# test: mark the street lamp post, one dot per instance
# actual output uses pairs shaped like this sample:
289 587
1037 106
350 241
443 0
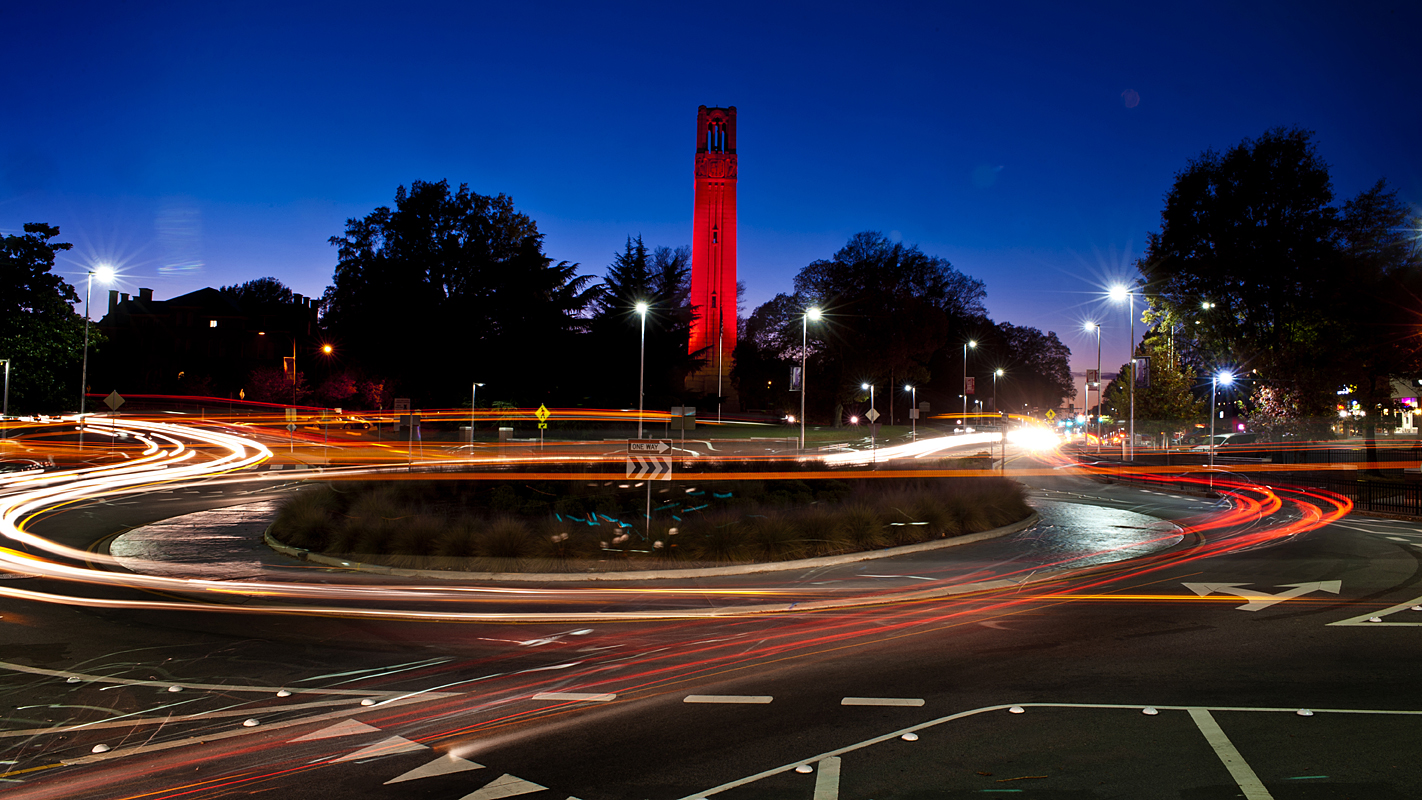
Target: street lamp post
966 345
873 454
5 410
913 412
642 367
473 404
1118 292
1225 378
1097 327
997 373
811 313
105 274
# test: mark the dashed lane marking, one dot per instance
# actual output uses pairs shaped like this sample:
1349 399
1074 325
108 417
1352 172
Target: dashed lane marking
586 697
759 699
882 701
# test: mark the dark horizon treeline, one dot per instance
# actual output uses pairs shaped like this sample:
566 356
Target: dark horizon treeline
447 288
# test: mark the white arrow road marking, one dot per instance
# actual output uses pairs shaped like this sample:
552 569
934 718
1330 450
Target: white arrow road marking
444 765
348 728
1262 600
505 786
387 747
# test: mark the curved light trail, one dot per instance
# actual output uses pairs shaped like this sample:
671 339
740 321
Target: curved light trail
176 453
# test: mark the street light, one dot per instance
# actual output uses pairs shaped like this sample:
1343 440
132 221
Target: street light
473 404
5 410
811 313
642 366
913 412
1097 327
970 343
1225 378
873 456
1118 293
105 274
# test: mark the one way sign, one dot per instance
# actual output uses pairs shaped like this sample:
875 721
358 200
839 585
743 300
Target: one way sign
652 468
649 445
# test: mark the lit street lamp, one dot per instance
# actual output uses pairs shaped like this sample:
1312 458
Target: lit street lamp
473 404
5 410
966 345
997 373
1225 378
913 411
106 274
872 419
1119 292
1097 327
811 313
642 366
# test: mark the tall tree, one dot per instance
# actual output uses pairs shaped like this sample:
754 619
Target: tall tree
449 288
259 294
661 278
889 307
39 330
1250 234
1036 366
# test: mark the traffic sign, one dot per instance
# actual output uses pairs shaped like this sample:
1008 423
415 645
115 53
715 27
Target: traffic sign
291 426
648 446
113 401
872 415
653 468
1051 414
543 414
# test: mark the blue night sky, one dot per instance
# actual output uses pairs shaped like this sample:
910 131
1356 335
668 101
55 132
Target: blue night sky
198 144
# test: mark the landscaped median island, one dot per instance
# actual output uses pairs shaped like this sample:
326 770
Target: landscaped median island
601 526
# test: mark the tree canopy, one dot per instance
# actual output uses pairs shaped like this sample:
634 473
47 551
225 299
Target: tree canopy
452 287
1255 269
39 329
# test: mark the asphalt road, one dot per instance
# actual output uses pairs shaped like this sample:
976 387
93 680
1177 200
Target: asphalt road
342 707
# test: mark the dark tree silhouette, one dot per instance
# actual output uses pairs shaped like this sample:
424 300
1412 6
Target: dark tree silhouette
39 329
449 288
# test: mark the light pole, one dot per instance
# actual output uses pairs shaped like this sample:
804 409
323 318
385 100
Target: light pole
473 404
873 455
997 373
1097 327
1225 378
5 410
642 366
1117 293
811 313
970 343
106 274
913 411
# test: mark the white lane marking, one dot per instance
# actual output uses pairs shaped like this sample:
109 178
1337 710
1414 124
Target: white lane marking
911 577
504 786
348 728
220 687
385 747
882 701
1239 769
589 697
1362 619
444 765
827 779
727 698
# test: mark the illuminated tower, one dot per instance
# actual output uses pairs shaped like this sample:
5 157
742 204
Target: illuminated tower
713 250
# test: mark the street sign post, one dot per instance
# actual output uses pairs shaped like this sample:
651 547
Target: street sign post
645 461
543 414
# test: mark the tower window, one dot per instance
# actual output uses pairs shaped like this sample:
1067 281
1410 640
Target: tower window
212 323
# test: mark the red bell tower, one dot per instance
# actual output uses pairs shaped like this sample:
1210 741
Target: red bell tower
713 250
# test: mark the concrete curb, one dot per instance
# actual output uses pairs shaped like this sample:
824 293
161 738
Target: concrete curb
660 574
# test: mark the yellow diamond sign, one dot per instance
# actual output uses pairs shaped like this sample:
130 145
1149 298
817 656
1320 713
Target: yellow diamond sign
543 413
